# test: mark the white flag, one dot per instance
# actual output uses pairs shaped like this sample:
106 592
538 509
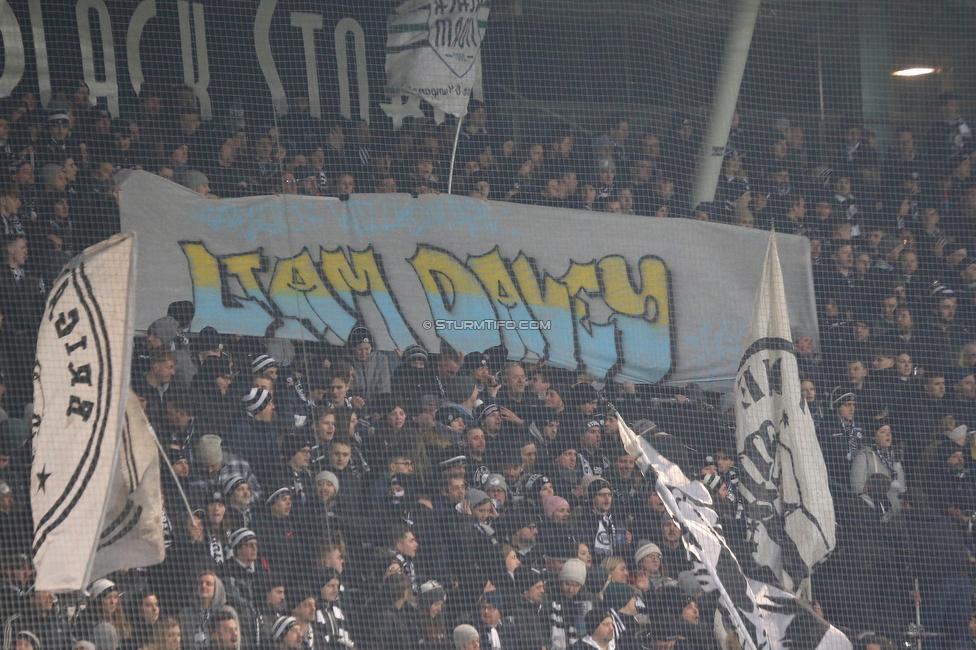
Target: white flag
92 480
782 476
132 528
762 616
433 50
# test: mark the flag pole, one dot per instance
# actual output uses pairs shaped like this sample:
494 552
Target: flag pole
450 174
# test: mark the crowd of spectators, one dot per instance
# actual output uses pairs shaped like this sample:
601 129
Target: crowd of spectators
353 497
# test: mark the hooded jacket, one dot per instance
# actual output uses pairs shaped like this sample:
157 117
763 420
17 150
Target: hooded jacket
195 623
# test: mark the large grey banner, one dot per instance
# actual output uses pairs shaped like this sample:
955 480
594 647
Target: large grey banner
635 298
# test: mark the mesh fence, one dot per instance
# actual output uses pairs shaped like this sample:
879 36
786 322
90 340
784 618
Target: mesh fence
385 416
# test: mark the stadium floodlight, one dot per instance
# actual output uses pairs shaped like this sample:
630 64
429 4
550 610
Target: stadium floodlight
913 72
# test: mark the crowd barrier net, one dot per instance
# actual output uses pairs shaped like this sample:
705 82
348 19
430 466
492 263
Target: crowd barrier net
512 325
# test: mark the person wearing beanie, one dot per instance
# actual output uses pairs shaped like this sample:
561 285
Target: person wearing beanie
592 458
255 433
237 497
466 637
264 365
214 390
622 602
105 636
476 366
528 607
287 633
472 545
651 575
581 400
301 598
573 571
522 528
371 376
497 631
331 624
497 488
279 530
430 615
565 469
841 441
415 378
206 345
490 420
296 456
213 466
105 615
241 575
556 523
601 631
880 458
556 509
197 182
533 486
269 597
565 599
598 526
258 404
691 626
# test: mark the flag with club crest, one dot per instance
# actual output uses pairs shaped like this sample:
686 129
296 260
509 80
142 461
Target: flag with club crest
433 50
783 489
95 490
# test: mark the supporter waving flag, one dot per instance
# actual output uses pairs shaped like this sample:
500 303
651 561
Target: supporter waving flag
783 479
95 490
762 617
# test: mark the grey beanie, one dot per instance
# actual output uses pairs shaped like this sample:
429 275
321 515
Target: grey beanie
208 449
573 571
330 477
165 328
496 480
48 172
192 179
105 637
646 549
464 634
476 497
430 592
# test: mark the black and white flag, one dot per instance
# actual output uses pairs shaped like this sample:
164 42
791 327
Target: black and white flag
782 475
433 51
762 617
95 489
